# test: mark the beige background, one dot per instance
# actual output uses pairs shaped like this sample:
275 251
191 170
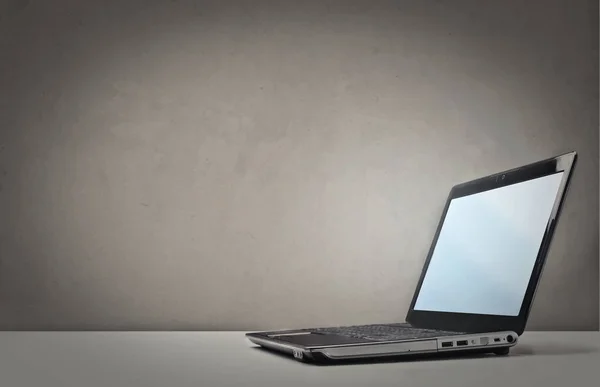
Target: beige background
261 164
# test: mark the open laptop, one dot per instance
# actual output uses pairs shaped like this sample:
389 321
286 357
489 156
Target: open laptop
479 279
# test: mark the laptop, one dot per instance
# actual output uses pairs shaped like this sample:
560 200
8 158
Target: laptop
479 279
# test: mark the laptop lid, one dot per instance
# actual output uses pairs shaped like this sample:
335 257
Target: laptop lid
487 255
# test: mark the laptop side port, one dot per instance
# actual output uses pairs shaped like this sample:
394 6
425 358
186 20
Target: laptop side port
447 344
461 343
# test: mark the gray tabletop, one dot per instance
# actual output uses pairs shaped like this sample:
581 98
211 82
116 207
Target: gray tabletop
226 359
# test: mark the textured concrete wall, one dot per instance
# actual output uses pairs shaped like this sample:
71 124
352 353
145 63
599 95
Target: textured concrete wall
264 164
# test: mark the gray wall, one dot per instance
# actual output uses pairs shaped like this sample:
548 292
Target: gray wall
171 165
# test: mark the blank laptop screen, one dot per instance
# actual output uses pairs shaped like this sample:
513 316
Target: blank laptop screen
487 248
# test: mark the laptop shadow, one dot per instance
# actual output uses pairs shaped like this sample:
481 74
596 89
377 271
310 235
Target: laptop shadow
551 350
518 351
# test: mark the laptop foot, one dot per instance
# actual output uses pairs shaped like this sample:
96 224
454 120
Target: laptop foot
502 351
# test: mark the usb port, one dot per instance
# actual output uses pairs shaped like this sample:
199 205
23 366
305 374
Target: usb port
447 344
462 343
496 340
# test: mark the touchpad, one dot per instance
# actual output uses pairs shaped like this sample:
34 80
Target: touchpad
315 339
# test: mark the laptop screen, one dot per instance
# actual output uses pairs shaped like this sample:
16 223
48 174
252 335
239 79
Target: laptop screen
487 247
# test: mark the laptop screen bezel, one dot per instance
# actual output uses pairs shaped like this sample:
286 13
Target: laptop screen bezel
469 322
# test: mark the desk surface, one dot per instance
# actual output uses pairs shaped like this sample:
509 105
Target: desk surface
215 359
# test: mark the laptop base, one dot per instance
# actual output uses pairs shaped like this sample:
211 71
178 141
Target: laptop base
330 348
319 359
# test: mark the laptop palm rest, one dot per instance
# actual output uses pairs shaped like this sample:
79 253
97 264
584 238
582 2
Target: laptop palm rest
310 339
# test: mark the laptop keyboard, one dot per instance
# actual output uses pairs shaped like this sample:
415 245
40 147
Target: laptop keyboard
385 332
